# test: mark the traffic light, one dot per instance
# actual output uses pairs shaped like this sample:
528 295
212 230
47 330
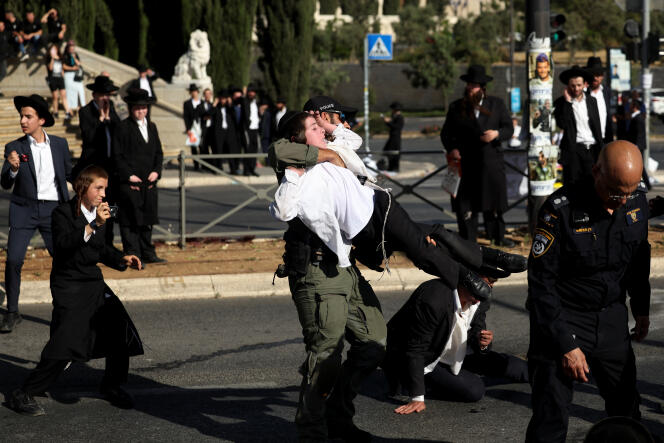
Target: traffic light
557 34
653 47
632 48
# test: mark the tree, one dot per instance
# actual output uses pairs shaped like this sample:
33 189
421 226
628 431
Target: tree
414 25
285 35
432 63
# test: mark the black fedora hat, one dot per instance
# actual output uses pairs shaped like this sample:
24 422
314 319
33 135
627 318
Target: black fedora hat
193 87
38 103
138 96
396 106
103 85
594 66
574 72
476 74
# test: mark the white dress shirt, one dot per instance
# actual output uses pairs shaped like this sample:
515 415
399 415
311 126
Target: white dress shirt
601 107
143 127
456 348
43 160
280 114
145 84
224 119
89 216
583 132
254 120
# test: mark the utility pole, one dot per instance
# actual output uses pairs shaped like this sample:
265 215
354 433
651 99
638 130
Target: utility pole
646 75
542 154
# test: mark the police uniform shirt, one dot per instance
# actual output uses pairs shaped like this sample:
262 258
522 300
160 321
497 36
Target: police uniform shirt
585 259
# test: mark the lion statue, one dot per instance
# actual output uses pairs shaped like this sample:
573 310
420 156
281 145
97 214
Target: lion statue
191 66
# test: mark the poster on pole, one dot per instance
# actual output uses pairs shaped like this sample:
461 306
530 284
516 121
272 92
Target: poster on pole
620 71
542 154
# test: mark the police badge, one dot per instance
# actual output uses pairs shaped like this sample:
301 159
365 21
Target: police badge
542 242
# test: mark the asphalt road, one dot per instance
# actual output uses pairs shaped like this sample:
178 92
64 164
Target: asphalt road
226 369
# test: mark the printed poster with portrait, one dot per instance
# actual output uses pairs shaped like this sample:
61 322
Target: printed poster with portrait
542 154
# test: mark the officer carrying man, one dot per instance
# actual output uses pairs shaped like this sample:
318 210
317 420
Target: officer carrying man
590 250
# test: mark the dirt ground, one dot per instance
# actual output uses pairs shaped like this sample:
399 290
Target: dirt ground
213 256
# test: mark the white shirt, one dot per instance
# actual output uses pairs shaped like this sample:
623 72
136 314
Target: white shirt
43 160
207 106
583 132
108 135
254 120
330 201
477 111
601 107
145 84
456 348
143 127
89 216
280 114
195 103
224 121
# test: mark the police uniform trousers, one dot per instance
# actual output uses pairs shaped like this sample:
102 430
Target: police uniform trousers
333 303
604 339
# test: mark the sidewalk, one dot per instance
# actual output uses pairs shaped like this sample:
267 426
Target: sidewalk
260 285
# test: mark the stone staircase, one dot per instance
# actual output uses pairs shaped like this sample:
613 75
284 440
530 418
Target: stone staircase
25 78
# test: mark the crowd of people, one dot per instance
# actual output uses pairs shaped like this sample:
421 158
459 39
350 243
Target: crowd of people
232 121
589 251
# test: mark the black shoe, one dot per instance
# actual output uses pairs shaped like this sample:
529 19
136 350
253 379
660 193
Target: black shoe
24 403
347 431
154 259
250 173
117 396
511 262
506 242
10 321
478 288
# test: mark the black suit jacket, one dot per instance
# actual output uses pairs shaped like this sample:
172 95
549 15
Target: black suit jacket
636 132
564 115
608 130
205 111
418 333
93 132
25 182
189 114
136 83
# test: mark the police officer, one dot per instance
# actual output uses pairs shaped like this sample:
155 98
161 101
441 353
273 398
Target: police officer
590 250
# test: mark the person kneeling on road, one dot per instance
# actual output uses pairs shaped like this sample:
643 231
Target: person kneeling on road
88 321
428 340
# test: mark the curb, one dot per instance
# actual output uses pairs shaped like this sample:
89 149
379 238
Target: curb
183 287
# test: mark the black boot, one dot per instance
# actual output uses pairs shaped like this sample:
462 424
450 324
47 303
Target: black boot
504 260
10 321
23 403
478 288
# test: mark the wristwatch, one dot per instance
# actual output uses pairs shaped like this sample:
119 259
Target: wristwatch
93 225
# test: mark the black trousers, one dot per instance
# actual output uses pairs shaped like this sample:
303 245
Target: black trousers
579 163
467 220
604 339
467 386
48 370
137 240
403 234
207 143
251 148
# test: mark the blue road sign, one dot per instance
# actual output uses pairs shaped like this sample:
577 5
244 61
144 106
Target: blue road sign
515 99
380 46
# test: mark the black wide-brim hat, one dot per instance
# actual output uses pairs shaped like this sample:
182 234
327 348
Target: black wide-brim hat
38 103
193 87
102 85
573 72
476 74
323 103
594 66
137 96
396 106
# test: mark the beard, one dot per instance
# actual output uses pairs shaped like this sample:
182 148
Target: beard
471 102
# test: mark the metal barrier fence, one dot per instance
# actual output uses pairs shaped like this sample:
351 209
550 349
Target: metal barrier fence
266 193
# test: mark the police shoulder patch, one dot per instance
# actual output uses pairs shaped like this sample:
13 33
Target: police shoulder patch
542 241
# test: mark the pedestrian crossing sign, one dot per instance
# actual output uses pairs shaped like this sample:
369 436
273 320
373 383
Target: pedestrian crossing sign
380 46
